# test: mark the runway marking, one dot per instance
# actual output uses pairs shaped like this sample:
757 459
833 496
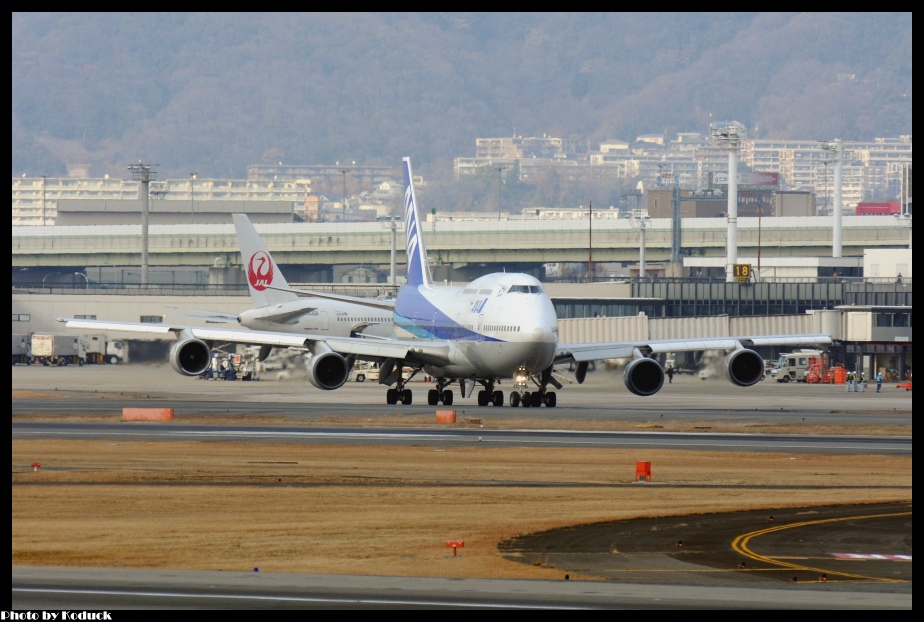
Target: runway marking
866 556
740 544
293 599
500 437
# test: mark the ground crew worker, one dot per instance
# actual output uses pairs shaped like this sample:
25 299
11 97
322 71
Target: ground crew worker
879 382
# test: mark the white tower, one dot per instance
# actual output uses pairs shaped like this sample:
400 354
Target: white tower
837 148
729 135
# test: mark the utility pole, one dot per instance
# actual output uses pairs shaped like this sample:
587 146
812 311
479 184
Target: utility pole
392 225
590 242
641 223
500 184
344 172
143 173
44 181
192 197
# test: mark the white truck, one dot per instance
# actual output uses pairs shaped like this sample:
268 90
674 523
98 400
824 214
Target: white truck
793 366
22 350
59 350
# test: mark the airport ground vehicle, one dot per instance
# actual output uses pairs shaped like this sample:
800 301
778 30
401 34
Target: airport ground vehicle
226 366
364 370
794 366
58 350
22 349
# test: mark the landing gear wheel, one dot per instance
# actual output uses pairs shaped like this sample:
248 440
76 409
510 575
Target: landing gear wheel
514 399
550 399
391 396
498 398
483 397
447 397
407 397
433 397
526 399
536 399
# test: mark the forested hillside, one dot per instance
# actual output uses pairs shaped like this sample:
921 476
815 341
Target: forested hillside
216 92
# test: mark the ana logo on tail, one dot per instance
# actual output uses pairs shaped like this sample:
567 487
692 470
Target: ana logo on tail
418 272
260 271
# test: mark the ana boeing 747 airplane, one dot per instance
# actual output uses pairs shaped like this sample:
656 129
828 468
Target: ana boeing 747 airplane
500 327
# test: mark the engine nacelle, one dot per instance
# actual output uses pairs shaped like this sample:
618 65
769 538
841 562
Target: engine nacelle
190 356
744 367
328 370
644 376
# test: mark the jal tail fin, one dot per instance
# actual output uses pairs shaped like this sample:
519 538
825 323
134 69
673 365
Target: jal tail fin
261 271
418 269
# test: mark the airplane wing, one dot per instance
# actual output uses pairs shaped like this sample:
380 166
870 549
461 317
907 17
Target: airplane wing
207 315
579 352
376 303
412 351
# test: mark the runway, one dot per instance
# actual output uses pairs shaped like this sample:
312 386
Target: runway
703 572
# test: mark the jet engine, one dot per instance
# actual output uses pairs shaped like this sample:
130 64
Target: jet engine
644 376
264 353
190 356
744 367
328 370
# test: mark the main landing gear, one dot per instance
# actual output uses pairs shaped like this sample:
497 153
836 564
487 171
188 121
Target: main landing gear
488 396
401 394
440 394
405 396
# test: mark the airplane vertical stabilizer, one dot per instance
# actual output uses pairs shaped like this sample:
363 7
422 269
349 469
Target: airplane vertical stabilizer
418 269
259 267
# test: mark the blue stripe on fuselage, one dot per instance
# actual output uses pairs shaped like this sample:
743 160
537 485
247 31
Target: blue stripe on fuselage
418 316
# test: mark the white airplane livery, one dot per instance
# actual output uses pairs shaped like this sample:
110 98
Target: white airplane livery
498 328
278 307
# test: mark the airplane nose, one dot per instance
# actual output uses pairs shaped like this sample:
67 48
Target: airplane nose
543 334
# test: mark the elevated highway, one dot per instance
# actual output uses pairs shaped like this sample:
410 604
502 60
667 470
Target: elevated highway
494 243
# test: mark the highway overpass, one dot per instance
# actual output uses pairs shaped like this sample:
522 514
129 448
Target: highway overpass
468 248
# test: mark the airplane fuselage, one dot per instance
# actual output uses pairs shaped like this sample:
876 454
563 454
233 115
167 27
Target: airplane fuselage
319 317
499 324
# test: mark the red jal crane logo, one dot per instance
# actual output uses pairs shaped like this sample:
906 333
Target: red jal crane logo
260 271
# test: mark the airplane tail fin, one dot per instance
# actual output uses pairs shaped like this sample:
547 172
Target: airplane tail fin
261 271
418 269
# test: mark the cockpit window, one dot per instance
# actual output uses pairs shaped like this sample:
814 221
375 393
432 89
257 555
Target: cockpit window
525 289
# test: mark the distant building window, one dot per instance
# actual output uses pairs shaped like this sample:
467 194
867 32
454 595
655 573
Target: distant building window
898 320
152 319
84 317
22 317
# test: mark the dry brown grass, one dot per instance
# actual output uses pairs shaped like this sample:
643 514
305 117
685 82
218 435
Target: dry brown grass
381 510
